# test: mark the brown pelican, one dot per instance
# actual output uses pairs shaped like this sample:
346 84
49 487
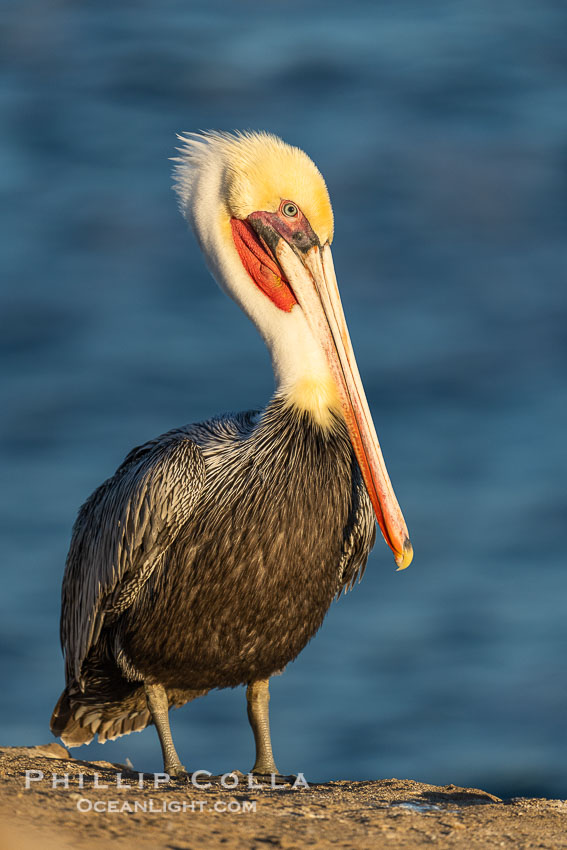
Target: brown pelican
210 558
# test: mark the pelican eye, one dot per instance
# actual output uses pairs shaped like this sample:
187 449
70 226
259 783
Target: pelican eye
290 210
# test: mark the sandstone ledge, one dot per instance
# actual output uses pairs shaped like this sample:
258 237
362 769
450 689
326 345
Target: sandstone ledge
388 813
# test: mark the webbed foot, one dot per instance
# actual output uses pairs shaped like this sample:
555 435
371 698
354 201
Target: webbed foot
273 778
178 772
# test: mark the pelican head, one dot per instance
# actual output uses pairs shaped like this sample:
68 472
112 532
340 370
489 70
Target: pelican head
261 213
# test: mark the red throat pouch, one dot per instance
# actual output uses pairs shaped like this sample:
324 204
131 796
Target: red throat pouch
260 265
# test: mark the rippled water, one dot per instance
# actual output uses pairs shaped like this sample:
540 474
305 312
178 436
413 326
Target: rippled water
442 132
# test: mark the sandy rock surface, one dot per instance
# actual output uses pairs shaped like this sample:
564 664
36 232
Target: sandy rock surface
388 813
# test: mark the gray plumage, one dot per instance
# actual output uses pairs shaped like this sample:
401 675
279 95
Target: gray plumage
209 559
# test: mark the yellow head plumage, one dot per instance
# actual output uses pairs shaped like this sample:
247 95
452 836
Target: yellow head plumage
261 170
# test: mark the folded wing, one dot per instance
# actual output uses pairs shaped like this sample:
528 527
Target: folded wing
121 533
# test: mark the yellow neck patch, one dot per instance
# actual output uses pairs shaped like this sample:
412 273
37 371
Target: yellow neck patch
317 397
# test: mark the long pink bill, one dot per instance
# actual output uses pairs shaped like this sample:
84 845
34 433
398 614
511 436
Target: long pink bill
315 287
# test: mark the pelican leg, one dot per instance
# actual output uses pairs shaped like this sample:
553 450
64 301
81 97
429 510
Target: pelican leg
258 699
158 704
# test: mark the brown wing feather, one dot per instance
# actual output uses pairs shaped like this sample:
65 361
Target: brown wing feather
121 533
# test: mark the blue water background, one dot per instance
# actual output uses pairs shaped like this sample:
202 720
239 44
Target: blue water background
442 131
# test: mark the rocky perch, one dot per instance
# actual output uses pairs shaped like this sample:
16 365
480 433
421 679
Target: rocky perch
142 811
